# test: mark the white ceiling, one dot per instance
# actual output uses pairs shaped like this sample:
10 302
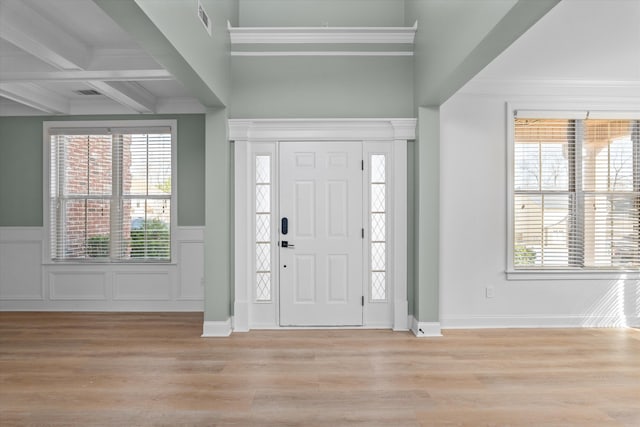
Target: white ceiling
50 50
578 40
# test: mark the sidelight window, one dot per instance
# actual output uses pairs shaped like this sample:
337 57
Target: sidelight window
263 212
378 227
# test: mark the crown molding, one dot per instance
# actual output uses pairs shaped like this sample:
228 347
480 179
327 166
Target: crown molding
551 87
322 35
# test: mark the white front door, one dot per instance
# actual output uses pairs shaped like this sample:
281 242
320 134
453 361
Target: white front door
321 261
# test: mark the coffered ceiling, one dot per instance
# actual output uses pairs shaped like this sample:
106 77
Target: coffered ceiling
70 57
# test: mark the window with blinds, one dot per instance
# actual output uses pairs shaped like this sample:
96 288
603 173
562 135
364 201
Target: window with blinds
110 194
576 192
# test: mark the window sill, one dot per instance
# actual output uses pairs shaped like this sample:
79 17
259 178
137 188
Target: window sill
109 263
573 275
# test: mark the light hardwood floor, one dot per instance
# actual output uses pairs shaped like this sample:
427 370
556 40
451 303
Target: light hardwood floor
131 369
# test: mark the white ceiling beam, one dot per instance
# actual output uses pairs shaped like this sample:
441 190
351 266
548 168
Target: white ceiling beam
30 31
34 96
128 94
25 28
81 76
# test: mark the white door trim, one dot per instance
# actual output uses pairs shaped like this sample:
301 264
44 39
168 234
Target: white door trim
246 132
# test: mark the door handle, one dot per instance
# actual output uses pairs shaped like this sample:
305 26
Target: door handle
285 244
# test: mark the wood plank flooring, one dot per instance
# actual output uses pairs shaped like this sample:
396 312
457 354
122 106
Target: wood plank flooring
132 369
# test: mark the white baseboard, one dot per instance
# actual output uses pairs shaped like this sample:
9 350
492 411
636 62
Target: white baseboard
480 322
212 329
633 321
425 329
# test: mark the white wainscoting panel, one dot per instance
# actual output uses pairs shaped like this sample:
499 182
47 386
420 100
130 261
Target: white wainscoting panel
142 285
29 282
18 279
77 285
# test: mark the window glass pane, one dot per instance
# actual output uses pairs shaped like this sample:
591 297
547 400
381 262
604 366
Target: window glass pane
541 154
608 156
527 166
263 227
378 173
555 166
378 202
541 230
263 286
146 229
378 286
146 164
85 232
159 163
263 257
263 169
378 231
73 230
98 228
378 256
611 231
263 198
87 164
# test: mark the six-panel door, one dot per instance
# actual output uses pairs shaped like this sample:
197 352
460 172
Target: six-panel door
321 267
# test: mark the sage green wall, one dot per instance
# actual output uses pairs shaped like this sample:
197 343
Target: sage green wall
448 31
207 55
411 224
321 87
218 249
427 217
21 181
20 171
314 13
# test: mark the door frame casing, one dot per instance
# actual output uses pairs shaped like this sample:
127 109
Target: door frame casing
247 133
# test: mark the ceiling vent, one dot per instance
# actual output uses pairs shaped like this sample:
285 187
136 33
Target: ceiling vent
87 92
204 18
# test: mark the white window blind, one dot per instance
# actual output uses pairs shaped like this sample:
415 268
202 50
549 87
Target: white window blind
110 194
576 192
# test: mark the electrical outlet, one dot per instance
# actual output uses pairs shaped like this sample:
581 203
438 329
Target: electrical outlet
489 291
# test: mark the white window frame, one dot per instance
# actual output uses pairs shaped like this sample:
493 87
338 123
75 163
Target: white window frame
560 111
89 125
